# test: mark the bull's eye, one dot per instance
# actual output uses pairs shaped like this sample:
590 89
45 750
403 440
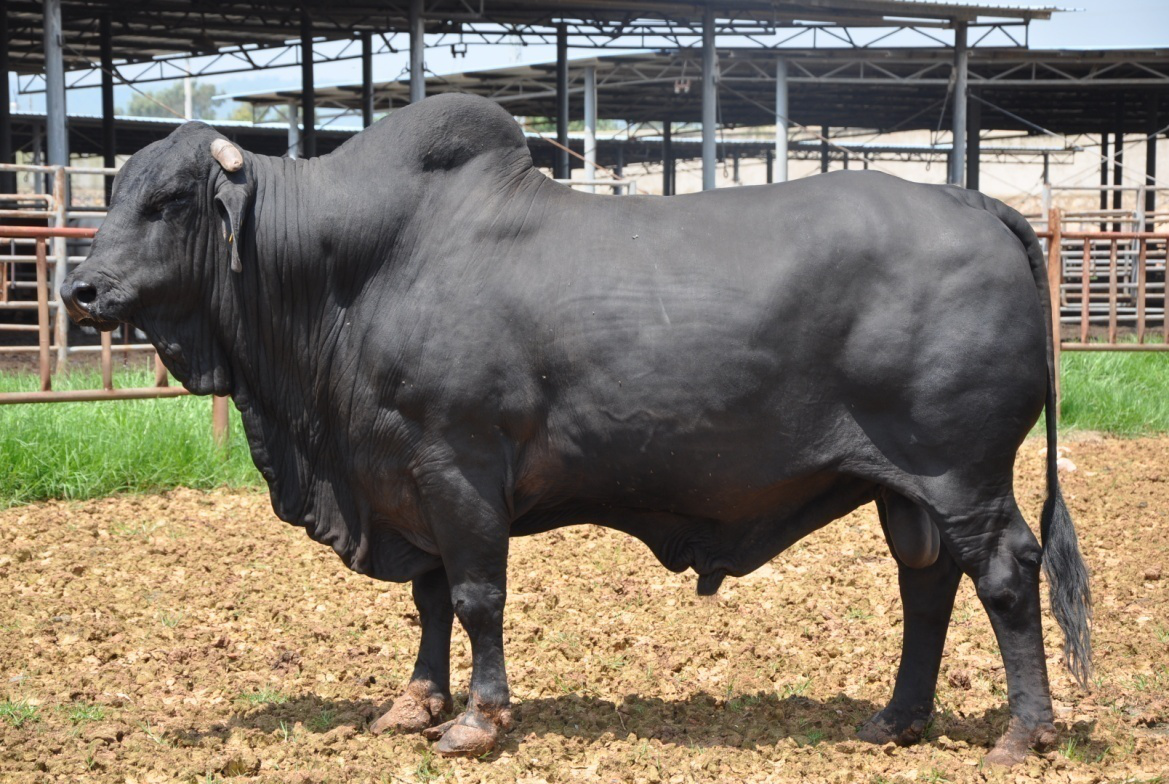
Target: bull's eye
170 203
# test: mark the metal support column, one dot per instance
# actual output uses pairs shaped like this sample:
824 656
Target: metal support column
958 156
109 145
619 170
1151 164
770 166
668 158
7 179
58 156
973 145
823 148
562 168
590 125
781 122
58 141
709 99
293 130
417 52
366 79
1103 175
308 98
1117 174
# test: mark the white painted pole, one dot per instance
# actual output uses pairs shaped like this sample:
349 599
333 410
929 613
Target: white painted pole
590 125
709 100
958 155
417 50
188 95
781 122
58 141
293 129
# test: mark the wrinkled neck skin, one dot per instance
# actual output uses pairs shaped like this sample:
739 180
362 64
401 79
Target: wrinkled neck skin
329 247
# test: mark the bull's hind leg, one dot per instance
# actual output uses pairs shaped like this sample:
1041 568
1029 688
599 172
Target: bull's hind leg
427 695
1002 557
927 598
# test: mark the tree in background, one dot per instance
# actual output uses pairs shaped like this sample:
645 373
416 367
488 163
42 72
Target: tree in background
174 97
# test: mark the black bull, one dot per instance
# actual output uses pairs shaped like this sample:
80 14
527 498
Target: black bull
435 347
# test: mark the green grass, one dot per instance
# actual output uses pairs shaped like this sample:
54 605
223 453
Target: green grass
87 450
264 696
1118 392
18 712
84 712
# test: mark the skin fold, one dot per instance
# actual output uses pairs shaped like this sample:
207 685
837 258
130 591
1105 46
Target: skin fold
434 348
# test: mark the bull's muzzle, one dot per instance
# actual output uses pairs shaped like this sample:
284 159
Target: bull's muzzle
81 298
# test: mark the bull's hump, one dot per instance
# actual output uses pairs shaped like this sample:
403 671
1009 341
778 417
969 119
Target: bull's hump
445 131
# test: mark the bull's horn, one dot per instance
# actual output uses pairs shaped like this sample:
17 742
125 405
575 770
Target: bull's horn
227 154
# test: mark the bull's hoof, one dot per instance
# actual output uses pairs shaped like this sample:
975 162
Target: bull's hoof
883 728
1013 747
418 708
472 734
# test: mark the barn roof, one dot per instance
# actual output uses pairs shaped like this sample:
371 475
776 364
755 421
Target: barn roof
1065 91
146 29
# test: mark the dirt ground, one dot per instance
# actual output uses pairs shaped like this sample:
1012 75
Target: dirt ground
193 637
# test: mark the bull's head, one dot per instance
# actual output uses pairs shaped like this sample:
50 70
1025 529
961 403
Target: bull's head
163 259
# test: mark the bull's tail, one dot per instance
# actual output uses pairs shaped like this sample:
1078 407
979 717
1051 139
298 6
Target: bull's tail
1067 576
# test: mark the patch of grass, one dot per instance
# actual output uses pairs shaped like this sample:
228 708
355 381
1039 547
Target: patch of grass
1118 392
1078 751
170 620
152 733
796 689
87 450
428 768
858 614
322 721
264 696
83 712
18 713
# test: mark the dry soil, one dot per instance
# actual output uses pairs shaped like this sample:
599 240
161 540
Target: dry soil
193 637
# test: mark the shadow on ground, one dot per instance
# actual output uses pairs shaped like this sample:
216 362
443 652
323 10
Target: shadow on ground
701 720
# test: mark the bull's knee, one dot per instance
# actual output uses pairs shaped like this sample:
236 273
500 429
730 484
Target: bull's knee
477 604
1011 576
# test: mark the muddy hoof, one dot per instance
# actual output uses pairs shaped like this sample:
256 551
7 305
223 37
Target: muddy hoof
418 708
1013 747
880 730
466 740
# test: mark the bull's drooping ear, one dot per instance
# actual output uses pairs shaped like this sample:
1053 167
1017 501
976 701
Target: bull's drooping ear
233 195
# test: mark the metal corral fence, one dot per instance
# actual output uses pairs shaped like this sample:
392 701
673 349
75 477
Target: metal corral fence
1107 288
52 322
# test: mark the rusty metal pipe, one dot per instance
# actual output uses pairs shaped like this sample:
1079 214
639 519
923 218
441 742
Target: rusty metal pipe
91 395
43 317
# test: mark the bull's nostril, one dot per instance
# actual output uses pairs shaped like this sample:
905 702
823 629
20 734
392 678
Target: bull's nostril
84 292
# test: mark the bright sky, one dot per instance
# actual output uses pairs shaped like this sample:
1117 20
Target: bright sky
1097 24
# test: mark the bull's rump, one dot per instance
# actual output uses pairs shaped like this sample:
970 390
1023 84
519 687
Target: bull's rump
730 341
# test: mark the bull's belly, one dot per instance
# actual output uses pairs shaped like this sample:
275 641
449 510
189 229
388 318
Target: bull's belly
713 534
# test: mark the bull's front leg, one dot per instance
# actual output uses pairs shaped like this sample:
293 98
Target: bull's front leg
428 694
471 530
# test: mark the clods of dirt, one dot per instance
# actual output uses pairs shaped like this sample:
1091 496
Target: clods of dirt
193 637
